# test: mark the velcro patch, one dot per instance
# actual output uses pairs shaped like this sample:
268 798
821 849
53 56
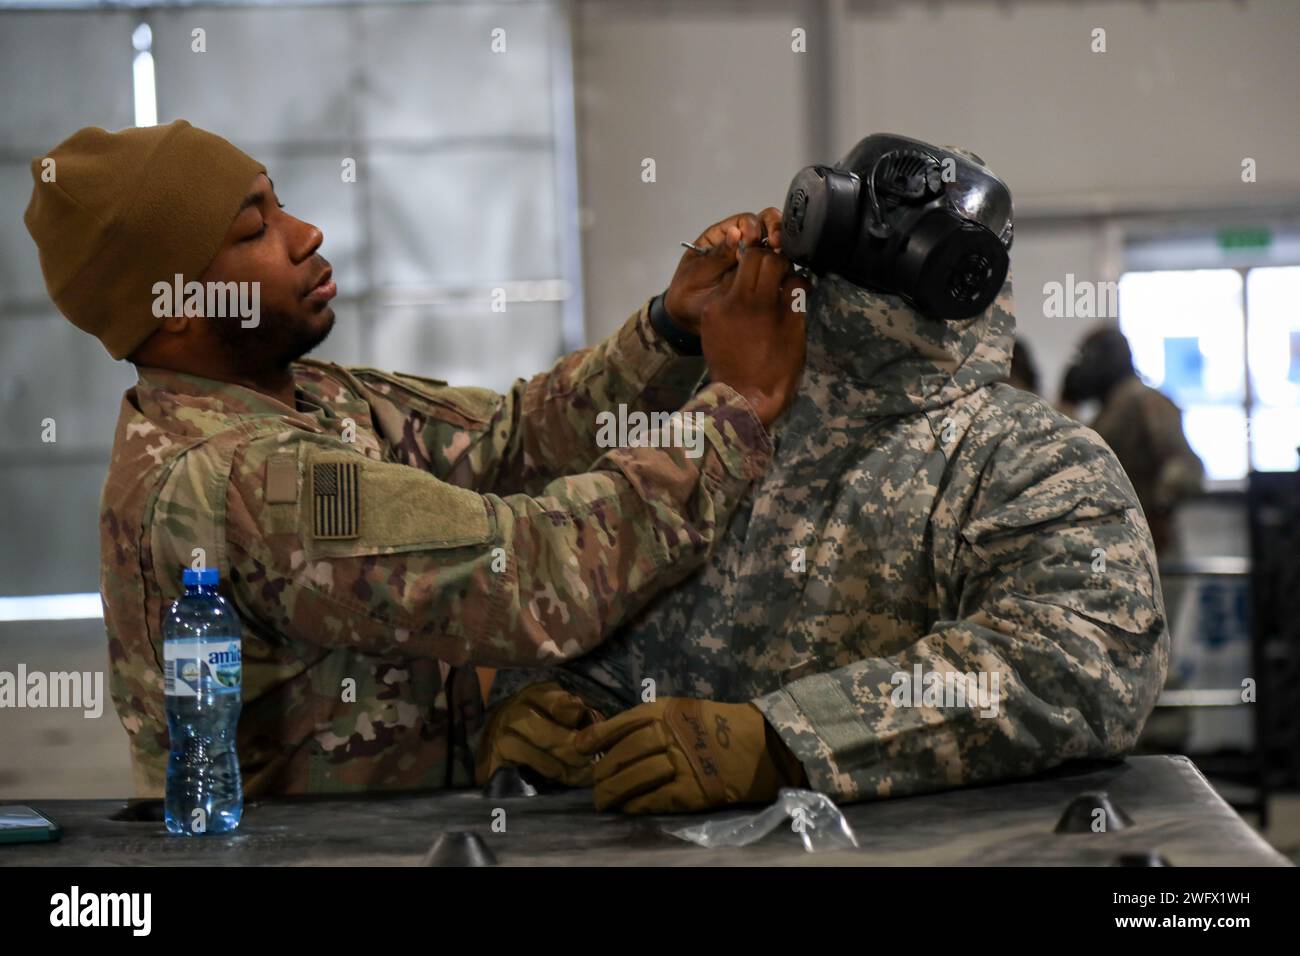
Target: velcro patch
336 499
282 479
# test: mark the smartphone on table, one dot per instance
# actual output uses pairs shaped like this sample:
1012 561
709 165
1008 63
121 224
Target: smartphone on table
19 824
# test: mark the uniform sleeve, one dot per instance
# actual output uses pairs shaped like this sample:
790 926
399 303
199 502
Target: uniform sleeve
333 548
543 428
1057 649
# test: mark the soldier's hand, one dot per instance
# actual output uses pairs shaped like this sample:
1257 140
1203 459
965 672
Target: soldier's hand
752 330
537 728
680 754
697 276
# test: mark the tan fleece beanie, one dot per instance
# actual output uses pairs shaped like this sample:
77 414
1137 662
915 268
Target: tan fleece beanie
117 212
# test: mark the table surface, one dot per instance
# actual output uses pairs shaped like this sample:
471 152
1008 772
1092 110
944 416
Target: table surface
1174 812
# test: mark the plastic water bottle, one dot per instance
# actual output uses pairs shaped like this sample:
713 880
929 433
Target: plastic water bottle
201 672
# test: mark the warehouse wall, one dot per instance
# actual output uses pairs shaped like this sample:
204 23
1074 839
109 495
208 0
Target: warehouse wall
1090 143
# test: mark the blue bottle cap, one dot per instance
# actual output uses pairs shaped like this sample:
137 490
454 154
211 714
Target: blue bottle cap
206 576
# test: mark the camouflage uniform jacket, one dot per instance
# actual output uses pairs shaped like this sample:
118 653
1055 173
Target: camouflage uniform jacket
388 530
916 515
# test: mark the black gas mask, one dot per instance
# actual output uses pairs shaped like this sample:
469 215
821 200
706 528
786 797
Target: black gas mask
904 217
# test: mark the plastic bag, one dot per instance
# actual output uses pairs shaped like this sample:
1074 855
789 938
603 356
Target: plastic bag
812 815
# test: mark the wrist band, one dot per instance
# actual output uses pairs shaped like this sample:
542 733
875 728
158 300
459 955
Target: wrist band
683 342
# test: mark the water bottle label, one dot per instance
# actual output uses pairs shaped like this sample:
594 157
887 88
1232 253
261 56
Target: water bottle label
187 665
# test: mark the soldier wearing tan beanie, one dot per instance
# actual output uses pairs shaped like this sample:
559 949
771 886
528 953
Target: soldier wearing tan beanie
373 529
116 216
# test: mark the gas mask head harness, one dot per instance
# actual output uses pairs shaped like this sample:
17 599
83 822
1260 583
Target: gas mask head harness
901 216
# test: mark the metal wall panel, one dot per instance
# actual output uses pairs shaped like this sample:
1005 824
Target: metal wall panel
62 71
268 75
50 368
50 527
431 73
21 284
344 344
464 218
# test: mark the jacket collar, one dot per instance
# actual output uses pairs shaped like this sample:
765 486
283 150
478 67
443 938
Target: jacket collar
192 405
871 354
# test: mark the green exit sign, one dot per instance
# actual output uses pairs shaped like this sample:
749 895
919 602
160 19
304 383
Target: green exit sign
1232 239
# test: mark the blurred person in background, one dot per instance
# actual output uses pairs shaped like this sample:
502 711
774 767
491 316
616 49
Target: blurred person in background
1141 425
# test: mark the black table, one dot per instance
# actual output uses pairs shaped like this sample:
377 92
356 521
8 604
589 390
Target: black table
1175 814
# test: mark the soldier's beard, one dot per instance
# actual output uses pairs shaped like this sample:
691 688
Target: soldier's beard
272 344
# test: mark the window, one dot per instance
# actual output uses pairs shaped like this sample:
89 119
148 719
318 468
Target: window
1273 358
1224 344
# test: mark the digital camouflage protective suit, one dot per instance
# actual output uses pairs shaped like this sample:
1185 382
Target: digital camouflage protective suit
380 534
916 512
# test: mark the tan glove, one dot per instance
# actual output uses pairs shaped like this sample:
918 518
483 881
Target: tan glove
680 754
537 728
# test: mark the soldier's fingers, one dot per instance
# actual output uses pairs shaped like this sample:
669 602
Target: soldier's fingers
652 738
534 692
579 777
641 777
516 750
727 281
772 271
751 264
720 257
605 734
760 281
729 230
544 735
771 219
752 229
681 797
559 706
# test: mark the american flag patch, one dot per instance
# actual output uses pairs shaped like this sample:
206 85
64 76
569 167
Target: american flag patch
336 499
